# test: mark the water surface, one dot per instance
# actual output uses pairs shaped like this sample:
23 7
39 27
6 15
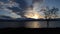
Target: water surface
30 24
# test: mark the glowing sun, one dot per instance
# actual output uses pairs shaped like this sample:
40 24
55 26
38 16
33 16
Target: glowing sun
33 14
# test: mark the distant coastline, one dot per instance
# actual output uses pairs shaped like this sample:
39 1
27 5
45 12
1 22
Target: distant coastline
27 19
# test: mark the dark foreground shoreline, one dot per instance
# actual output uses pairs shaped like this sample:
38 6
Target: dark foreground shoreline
23 29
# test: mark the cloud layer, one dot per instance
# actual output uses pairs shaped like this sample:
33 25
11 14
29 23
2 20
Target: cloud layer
8 12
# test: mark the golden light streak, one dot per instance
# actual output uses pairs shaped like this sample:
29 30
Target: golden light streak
33 14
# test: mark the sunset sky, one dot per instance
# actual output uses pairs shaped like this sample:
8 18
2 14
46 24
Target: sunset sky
5 10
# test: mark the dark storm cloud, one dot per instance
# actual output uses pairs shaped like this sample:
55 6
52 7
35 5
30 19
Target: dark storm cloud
22 5
17 6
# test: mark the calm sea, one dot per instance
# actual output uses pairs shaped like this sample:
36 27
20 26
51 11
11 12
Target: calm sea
30 24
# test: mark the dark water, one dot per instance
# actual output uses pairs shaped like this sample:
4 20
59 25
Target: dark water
30 24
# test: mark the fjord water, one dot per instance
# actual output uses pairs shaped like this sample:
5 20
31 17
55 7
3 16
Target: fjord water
30 24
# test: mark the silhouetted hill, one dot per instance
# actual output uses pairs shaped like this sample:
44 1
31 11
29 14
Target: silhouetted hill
27 19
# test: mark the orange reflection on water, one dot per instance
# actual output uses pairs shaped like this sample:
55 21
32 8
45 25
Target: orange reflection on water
33 24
